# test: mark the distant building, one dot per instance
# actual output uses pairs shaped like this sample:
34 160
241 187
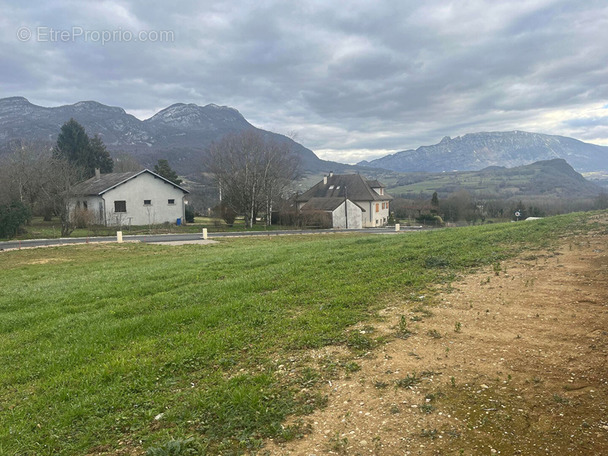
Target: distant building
352 201
133 198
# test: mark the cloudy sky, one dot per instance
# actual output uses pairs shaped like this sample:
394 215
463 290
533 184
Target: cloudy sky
351 80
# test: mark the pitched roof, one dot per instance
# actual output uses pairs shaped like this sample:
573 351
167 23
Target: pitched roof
352 186
106 182
325 204
375 184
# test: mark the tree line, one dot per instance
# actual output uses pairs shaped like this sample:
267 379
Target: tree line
36 181
251 175
461 206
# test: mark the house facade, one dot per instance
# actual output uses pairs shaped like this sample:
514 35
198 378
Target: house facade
133 198
368 196
343 213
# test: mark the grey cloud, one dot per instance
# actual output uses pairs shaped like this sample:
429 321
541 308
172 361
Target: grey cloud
373 75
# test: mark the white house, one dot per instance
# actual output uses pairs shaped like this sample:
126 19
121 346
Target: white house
133 198
364 200
343 212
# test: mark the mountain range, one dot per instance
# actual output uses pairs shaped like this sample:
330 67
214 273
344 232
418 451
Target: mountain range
182 132
179 133
477 151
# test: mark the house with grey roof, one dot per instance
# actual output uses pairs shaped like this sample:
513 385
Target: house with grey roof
133 198
352 201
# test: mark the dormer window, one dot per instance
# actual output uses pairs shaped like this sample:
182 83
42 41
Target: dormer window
331 187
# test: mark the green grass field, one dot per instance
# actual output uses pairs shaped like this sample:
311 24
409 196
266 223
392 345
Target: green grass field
105 347
40 229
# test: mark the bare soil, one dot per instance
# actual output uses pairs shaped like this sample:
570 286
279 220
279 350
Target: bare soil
510 360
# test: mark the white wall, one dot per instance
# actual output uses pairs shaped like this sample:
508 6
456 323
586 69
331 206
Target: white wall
371 217
91 204
144 187
354 216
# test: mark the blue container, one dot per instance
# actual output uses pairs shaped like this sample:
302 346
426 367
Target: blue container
179 222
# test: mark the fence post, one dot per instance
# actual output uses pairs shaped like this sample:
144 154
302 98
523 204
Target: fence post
119 236
205 233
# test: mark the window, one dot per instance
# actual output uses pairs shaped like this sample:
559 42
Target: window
377 207
120 206
171 201
147 202
85 205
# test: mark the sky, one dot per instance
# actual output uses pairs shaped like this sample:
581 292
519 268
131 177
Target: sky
350 80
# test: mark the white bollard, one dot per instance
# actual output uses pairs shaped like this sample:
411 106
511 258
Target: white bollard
397 227
119 236
205 233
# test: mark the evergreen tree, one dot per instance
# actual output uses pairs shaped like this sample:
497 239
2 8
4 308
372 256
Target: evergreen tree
434 203
100 157
163 169
75 146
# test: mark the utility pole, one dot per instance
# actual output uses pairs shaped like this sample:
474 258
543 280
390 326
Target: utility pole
346 205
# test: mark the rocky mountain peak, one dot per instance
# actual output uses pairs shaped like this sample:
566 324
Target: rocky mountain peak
14 101
187 116
475 151
94 106
181 132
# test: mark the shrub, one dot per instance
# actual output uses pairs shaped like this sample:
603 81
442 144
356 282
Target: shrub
228 215
12 216
82 218
430 219
189 214
315 219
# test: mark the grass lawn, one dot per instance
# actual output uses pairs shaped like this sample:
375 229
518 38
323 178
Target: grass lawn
105 347
40 229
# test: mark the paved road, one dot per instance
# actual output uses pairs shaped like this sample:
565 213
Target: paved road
152 238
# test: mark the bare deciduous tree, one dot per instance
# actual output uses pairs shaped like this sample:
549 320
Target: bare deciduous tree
58 191
24 173
252 172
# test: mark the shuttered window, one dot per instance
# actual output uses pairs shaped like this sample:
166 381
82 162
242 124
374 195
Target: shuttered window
120 206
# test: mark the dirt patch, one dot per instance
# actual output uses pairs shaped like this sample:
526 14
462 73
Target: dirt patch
511 360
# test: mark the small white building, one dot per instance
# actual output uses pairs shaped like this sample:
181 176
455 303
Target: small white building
343 213
367 198
133 198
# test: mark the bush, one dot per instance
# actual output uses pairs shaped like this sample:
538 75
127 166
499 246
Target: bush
189 214
12 216
285 218
430 219
82 218
228 215
315 219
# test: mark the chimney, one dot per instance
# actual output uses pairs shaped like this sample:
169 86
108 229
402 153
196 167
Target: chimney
324 180
97 174
331 173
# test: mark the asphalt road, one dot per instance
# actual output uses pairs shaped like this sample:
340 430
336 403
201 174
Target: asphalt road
152 238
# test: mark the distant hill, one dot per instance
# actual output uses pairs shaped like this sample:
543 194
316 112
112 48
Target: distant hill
477 151
179 133
549 178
